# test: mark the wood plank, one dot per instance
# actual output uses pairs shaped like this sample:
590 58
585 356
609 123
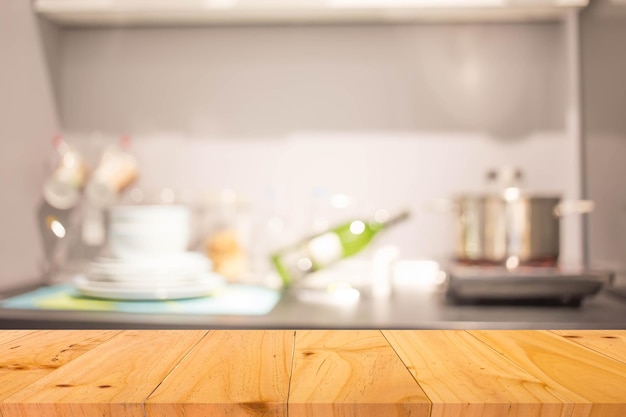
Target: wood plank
464 377
32 355
6 336
112 379
611 343
566 367
351 373
230 373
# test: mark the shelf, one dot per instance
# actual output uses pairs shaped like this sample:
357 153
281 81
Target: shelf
224 12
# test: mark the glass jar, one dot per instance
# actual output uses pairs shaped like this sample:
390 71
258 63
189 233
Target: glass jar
226 230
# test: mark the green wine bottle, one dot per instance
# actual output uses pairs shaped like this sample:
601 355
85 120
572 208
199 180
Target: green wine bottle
295 262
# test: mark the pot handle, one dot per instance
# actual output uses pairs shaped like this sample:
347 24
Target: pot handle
568 207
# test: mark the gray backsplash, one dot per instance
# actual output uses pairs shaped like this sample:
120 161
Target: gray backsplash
506 81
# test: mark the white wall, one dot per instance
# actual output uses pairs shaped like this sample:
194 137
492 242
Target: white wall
28 122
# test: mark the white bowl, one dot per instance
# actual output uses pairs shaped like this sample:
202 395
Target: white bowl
148 230
149 243
150 214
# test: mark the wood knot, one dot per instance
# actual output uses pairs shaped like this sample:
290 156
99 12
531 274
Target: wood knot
64 385
571 336
609 337
308 353
260 407
104 386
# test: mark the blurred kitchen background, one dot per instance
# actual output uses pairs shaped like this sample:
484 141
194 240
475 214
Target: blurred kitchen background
383 112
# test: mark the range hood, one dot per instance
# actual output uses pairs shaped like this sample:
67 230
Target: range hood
151 12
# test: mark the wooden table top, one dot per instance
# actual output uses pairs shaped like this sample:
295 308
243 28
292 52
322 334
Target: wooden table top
317 373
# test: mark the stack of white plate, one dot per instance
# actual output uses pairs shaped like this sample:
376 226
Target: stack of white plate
149 259
183 275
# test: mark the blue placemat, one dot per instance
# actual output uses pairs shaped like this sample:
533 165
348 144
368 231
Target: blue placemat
228 300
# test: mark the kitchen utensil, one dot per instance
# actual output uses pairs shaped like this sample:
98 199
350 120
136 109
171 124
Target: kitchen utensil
512 230
62 189
511 226
58 232
116 170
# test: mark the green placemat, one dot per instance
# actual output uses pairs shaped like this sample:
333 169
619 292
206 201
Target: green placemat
228 300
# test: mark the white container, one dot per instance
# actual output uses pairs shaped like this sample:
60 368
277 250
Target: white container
150 214
148 244
148 231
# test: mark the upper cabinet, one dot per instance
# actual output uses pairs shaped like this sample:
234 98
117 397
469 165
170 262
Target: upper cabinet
180 12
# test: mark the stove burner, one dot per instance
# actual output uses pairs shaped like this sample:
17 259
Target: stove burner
523 285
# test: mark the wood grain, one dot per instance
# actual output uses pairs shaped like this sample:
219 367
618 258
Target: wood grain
567 368
112 379
351 373
6 336
611 343
230 373
27 356
463 377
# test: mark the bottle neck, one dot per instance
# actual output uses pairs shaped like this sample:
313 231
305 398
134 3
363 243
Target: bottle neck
382 220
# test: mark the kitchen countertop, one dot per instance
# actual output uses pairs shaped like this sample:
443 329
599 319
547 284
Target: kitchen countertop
302 373
406 308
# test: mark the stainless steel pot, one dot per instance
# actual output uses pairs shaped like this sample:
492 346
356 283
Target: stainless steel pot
512 228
